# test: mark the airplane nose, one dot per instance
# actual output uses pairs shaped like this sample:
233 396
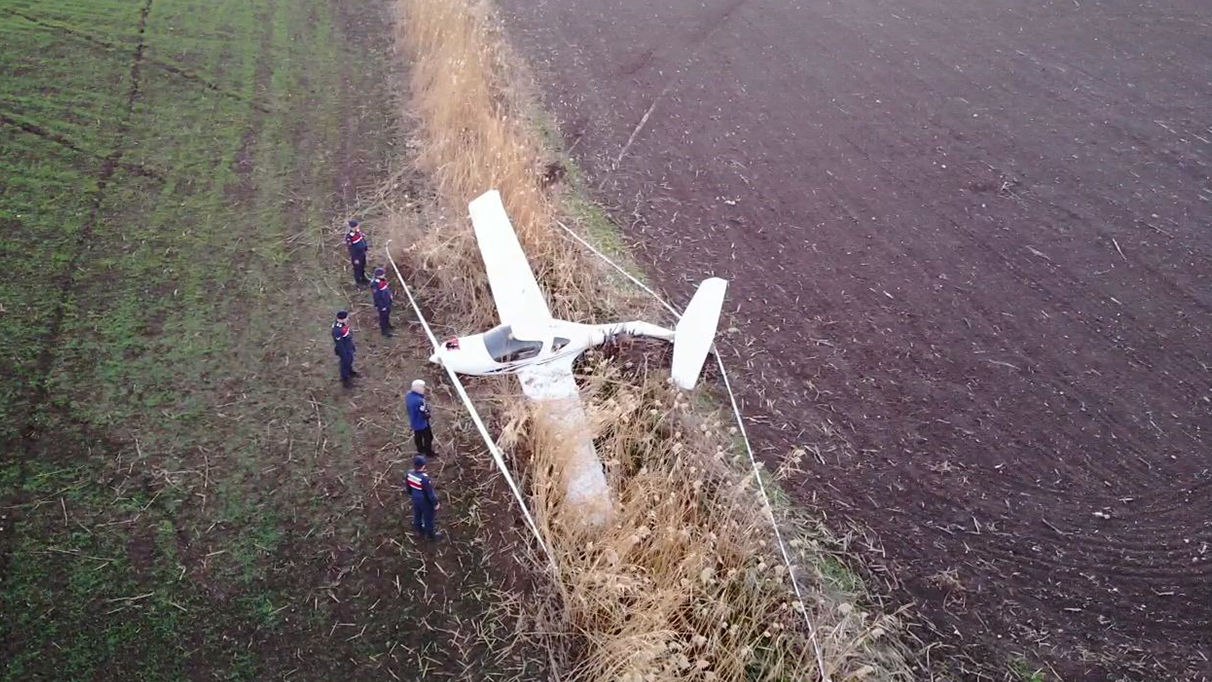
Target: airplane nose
436 358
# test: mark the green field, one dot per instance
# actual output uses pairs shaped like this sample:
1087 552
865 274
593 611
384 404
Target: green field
187 493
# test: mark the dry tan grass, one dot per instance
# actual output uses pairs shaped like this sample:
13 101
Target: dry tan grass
686 583
474 136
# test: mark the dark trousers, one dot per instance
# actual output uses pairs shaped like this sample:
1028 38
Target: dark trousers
346 366
385 320
359 268
422 518
424 440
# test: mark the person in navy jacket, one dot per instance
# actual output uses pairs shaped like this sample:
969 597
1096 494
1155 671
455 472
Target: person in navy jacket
418 418
343 346
380 289
424 499
358 245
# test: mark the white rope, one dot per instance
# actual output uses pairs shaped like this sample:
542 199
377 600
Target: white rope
497 455
757 474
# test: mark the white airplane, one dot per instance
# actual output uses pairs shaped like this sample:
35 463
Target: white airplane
529 342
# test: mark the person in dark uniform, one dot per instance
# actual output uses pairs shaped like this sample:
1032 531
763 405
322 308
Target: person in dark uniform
418 419
343 346
424 499
381 290
358 245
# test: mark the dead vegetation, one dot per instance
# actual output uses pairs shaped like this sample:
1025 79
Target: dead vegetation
473 136
686 583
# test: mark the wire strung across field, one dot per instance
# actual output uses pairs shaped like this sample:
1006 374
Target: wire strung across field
499 459
497 456
736 410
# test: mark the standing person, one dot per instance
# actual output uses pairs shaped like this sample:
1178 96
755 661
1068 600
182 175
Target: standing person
418 418
381 291
358 244
424 499
343 346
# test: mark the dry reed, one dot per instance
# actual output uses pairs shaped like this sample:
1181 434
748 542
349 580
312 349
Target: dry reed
685 583
475 136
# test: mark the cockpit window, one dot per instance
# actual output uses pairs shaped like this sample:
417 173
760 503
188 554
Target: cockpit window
558 343
504 348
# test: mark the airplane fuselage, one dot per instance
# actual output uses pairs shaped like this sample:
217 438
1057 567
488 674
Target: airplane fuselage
506 349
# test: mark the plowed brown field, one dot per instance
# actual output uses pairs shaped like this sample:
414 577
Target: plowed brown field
975 240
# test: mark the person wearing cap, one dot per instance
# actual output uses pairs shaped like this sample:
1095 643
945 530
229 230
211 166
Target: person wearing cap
418 418
424 499
381 291
343 346
358 245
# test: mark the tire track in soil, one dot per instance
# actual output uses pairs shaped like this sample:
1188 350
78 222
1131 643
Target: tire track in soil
67 143
104 44
195 549
31 429
110 164
431 589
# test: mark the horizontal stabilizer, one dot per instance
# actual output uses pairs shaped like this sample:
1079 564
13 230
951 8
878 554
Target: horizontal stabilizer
695 332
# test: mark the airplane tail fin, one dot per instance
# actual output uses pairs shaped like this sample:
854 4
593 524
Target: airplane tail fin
695 332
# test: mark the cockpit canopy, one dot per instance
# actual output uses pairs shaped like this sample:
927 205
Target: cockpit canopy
505 348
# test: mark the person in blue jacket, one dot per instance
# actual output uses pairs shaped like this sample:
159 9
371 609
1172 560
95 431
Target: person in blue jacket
358 245
380 289
424 499
343 346
418 418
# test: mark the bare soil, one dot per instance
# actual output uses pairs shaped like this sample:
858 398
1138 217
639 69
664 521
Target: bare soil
971 245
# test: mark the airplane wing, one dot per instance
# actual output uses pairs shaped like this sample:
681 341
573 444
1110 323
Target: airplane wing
520 303
519 300
553 387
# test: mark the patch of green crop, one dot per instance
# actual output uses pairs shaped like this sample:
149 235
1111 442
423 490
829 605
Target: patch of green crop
194 499
145 208
839 575
1025 672
74 594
